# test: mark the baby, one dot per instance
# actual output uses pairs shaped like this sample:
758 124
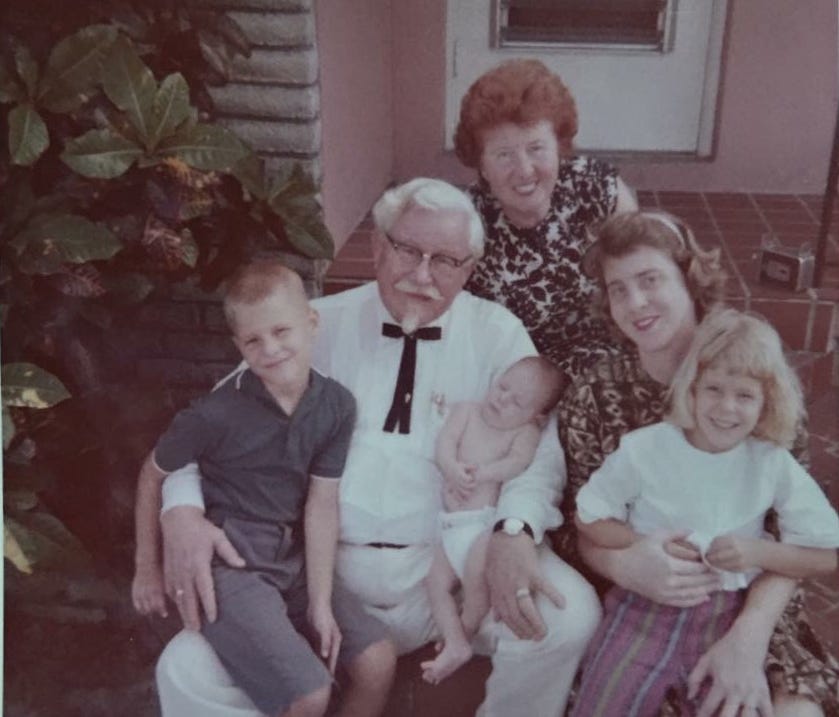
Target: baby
480 447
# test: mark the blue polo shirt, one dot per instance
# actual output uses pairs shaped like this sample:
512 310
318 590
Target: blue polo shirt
256 459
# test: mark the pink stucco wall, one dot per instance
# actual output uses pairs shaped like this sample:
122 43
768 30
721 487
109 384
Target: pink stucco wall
354 48
383 71
776 115
778 104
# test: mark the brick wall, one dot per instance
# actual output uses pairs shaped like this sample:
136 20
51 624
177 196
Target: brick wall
178 342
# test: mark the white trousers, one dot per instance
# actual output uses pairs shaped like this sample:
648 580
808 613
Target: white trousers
528 679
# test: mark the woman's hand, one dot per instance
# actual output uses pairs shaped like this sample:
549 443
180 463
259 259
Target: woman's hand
189 542
659 567
512 567
734 553
734 667
329 634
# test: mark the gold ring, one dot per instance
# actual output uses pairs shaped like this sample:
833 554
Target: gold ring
522 593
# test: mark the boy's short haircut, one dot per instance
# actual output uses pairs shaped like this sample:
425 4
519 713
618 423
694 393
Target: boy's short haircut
549 376
256 281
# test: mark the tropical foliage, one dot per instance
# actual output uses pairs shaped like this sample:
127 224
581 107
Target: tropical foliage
114 184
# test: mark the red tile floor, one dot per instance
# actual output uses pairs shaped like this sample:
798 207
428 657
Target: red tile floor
808 321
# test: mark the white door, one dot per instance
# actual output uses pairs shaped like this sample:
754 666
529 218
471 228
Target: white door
630 99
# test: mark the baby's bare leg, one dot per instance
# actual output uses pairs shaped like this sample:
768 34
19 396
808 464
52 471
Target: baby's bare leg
475 590
456 650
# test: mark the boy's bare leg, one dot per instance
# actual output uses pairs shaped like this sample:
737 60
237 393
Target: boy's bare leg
311 705
475 590
371 675
456 649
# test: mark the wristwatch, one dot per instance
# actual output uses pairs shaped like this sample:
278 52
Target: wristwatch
512 526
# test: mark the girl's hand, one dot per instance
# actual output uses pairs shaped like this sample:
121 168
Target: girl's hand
147 591
684 550
648 568
329 634
734 553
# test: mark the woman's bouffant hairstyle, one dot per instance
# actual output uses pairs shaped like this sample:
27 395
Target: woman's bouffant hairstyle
621 234
741 343
518 91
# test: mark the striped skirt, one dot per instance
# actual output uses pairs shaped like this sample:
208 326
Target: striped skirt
643 651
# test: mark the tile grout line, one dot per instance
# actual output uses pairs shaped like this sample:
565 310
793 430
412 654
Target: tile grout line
747 294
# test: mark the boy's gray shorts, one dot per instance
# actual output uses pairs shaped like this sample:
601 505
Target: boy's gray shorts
259 636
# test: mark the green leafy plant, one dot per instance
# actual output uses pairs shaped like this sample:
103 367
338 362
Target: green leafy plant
31 535
114 185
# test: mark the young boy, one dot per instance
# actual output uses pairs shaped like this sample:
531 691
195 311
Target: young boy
271 443
480 447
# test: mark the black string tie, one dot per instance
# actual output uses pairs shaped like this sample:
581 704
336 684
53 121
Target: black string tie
400 409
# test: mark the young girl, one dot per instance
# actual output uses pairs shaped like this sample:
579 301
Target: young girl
712 470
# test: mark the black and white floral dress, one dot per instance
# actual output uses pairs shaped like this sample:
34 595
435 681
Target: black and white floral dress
535 272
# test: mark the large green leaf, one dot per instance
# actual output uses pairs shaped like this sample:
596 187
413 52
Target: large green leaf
10 90
28 385
27 70
13 551
8 427
297 184
101 153
310 237
250 172
74 66
130 85
169 109
205 146
45 541
49 241
129 288
19 499
28 135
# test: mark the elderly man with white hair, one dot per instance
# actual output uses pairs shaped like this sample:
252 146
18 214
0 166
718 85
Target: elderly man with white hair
408 346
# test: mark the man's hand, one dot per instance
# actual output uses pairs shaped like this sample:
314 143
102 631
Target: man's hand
734 667
734 553
649 568
189 541
513 567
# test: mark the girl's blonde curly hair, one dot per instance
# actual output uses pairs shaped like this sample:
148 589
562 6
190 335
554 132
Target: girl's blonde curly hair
741 343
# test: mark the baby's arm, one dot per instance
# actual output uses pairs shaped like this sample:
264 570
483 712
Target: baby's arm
147 591
607 533
515 461
737 554
321 536
448 441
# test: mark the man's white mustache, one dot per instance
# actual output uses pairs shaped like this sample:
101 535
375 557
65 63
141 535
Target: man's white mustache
408 286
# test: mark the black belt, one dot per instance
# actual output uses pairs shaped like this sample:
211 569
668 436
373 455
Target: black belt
386 545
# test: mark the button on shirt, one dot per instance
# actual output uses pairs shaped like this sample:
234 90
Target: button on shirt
391 488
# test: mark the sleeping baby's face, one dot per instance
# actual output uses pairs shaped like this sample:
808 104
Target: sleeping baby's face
515 399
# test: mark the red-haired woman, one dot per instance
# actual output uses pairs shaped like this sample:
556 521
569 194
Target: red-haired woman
537 200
